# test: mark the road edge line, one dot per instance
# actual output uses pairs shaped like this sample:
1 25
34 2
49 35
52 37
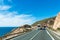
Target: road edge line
50 35
55 34
23 34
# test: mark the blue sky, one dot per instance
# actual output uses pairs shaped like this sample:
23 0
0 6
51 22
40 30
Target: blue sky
38 8
31 9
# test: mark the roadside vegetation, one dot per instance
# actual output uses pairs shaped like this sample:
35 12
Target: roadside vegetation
58 29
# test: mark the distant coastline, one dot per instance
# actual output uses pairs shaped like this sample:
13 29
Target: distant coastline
5 30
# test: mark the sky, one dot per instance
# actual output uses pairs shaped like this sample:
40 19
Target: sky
20 12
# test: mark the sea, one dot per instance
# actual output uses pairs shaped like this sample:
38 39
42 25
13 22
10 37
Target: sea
5 30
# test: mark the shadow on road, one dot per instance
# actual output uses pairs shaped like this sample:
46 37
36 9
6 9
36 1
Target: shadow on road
42 29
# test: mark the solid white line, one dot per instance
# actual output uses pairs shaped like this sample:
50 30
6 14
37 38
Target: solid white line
26 33
34 35
50 35
54 32
56 35
23 35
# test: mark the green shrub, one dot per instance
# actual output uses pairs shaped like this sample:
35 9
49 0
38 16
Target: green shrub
58 28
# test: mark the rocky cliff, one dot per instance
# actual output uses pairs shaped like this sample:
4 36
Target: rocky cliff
57 22
18 31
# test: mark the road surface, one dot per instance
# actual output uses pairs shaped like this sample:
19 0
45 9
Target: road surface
36 35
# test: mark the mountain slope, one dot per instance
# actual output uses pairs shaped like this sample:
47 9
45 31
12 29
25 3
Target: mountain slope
45 21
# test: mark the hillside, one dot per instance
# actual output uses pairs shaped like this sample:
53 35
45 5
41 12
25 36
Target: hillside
23 29
51 21
18 31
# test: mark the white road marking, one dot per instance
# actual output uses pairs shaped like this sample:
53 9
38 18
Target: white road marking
50 35
55 34
22 35
34 35
57 37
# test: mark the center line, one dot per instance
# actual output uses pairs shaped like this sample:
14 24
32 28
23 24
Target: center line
34 35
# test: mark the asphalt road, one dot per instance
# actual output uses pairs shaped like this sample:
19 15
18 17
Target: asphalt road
36 35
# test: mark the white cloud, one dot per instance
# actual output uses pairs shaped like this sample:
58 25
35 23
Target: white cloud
8 18
15 20
4 7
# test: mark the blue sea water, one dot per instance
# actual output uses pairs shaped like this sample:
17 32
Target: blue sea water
5 30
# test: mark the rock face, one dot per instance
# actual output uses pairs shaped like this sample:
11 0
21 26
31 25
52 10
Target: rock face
57 22
14 33
21 29
18 31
